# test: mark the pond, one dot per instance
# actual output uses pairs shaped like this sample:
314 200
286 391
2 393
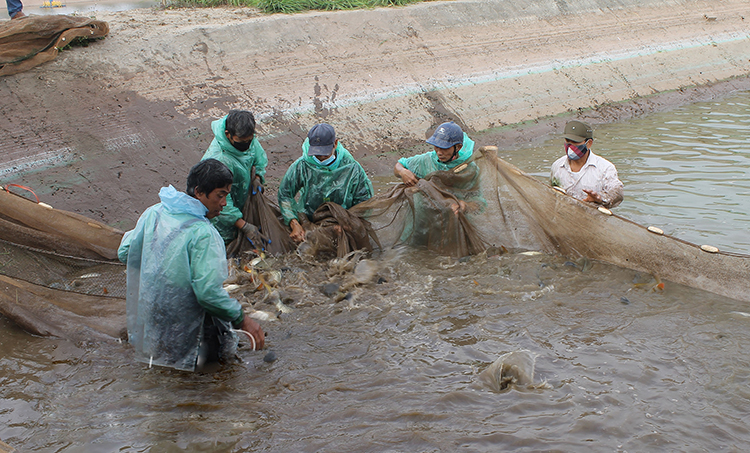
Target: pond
395 366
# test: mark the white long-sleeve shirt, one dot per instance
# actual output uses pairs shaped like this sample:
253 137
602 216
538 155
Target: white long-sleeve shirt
598 174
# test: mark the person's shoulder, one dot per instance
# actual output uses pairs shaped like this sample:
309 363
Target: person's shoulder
346 159
600 161
560 162
295 166
419 157
202 230
214 151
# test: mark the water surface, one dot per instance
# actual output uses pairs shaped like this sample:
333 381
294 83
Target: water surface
629 366
686 171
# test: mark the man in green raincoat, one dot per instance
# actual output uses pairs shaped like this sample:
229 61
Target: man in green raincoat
325 172
452 148
178 313
236 146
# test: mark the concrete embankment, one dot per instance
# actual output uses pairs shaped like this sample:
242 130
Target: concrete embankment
135 108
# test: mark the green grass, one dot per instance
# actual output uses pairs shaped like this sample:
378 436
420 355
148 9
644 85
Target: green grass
294 6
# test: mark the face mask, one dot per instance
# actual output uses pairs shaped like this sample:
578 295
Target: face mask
327 162
241 146
575 152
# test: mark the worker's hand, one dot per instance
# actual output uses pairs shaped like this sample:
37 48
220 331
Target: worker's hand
408 178
256 186
253 234
458 207
592 197
298 233
253 328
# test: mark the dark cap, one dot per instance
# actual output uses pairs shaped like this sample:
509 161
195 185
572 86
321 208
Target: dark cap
578 131
322 138
447 135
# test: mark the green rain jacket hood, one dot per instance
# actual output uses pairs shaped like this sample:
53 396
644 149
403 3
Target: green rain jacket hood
240 164
344 182
424 164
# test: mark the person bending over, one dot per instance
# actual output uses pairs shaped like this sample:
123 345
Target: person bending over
451 148
325 172
236 146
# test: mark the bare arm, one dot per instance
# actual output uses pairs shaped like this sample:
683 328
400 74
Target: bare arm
407 177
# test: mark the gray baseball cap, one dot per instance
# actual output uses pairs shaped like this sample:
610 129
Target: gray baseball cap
322 137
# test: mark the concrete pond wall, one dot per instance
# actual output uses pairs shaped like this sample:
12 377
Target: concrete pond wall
133 111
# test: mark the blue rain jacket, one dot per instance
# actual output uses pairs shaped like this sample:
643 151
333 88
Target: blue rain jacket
176 266
240 164
344 182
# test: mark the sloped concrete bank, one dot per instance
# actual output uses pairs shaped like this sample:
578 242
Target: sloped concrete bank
102 128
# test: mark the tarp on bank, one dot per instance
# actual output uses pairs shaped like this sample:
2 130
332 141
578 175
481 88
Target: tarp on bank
33 40
47 291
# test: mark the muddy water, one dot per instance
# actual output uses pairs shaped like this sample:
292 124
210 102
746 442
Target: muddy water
395 367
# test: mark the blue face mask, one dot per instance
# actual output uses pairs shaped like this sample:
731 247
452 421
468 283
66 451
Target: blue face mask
327 162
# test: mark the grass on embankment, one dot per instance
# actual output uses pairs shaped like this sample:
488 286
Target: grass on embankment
294 6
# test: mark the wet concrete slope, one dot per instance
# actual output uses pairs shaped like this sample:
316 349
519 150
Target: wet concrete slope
100 129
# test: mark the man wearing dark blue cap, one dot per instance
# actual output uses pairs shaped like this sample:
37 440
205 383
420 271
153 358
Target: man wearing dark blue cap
452 147
325 172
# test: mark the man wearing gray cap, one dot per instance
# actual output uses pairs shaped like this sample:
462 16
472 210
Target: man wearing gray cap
581 173
325 172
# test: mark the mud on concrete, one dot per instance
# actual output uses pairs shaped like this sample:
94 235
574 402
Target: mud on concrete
99 130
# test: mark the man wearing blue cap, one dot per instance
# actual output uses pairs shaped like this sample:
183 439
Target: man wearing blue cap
452 147
581 173
326 172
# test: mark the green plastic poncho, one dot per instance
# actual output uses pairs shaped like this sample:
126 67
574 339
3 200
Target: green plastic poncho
344 182
240 164
176 266
428 218
424 164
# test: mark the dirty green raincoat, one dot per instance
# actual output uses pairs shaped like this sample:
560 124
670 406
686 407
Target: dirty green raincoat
424 164
240 163
176 266
467 189
344 182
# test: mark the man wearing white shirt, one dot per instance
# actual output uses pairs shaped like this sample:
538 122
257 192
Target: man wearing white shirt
584 175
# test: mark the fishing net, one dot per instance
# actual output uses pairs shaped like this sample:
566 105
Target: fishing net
57 280
429 214
336 232
33 40
507 209
58 271
261 212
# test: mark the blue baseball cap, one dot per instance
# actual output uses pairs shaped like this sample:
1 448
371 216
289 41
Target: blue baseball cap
322 137
447 135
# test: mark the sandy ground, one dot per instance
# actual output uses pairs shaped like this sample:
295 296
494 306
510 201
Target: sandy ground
102 128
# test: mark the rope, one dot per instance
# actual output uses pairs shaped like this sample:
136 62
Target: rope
21 187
